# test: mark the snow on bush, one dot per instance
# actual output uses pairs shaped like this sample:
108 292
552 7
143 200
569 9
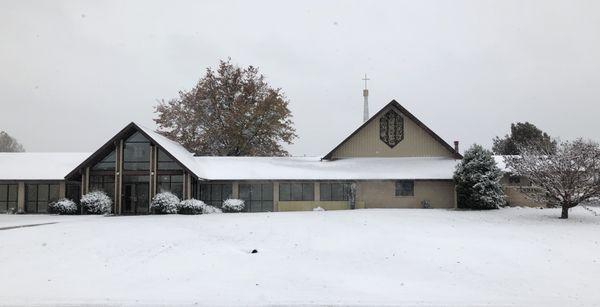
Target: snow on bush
63 206
191 206
318 209
96 202
477 180
165 203
233 205
210 210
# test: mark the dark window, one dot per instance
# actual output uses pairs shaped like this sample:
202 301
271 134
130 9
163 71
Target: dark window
296 191
391 128
8 198
215 193
166 163
171 183
405 188
334 191
514 179
105 183
73 191
38 196
106 164
136 153
257 197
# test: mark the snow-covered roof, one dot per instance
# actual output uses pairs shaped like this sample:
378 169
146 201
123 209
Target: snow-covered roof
55 166
175 149
501 163
38 165
312 168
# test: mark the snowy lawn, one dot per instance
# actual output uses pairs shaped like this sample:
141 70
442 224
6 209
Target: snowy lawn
361 257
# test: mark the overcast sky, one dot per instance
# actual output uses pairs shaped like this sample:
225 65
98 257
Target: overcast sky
72 73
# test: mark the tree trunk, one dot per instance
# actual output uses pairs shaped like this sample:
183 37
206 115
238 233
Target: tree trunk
565 212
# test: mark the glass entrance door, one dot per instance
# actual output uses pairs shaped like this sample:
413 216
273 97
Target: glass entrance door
135 198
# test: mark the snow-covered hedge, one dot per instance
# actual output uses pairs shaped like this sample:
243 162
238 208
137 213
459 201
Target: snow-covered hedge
96 202
210 210
63 206
318 209
191 206
233 205
165 203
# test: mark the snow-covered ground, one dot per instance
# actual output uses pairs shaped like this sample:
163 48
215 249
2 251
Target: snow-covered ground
515 256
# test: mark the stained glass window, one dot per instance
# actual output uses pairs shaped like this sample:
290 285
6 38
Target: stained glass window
391 128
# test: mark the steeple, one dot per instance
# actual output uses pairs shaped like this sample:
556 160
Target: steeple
366 100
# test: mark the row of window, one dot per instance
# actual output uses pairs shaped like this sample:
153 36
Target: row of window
136 157
8 197
258 196
38 196
215 193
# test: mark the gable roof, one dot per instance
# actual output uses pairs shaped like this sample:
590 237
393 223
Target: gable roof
395 104
173 149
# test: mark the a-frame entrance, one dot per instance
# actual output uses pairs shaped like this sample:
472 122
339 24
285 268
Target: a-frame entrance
135 165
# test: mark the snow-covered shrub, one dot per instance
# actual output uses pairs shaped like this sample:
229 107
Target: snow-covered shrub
96 202
477 179
233 205
63 206
190 206
165 203
318 209
210 210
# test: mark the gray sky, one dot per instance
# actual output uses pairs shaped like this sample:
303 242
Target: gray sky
72 73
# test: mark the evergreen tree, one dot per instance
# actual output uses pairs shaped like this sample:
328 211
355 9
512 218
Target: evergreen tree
9 144
477 180
523 135
231 112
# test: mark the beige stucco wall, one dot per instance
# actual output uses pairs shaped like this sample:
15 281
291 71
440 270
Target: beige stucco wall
514 197
372 194
381 194
416 143
310 205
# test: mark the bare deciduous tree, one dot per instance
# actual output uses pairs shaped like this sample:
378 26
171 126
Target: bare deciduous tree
9 144
566 178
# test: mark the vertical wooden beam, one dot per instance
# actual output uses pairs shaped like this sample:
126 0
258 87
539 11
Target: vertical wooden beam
87 180
275 196
62 188
118 176
317 191
82 182
235 190
188 186
82 187
152 187
21 197
153 170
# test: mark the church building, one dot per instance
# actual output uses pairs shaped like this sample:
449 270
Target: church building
392 160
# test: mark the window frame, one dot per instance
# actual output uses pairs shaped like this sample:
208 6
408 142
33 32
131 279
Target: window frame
513 179
36 203
5 198
130 165
170 183
252 202
106 183
293 193
207 196
328 187
399 188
